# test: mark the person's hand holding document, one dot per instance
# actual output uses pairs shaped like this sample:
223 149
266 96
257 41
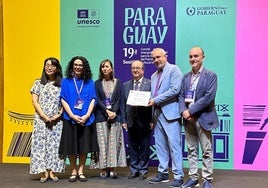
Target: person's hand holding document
138 98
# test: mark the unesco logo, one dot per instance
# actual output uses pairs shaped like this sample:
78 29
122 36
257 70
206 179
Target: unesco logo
190 11
88 17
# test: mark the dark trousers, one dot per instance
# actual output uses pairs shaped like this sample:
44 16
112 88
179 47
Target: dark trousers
139 149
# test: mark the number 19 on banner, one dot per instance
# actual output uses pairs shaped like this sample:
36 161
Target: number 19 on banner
129 52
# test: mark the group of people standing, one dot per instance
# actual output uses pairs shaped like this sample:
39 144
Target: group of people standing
77 117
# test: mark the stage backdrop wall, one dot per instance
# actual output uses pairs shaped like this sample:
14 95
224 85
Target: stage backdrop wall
31 33
251 113
122 31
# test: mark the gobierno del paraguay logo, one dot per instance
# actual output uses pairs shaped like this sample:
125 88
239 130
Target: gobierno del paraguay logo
206 11
88 18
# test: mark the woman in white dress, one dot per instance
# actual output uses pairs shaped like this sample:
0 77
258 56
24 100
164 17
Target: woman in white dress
47 128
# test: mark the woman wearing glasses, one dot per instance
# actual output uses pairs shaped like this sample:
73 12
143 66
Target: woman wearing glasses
47 124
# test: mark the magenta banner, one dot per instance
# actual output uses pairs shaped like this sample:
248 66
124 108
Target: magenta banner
140 26
251 103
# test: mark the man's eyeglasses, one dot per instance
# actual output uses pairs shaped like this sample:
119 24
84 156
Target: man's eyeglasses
136 68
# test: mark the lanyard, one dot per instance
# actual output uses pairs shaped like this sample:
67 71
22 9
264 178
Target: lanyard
81 87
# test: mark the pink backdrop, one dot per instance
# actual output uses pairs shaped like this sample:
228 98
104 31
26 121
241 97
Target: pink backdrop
251 80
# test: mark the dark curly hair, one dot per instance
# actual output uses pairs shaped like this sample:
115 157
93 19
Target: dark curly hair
58 75
86 75
101 76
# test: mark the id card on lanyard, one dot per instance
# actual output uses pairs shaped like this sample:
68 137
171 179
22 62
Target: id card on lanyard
79 101
108 103
108 89
189 96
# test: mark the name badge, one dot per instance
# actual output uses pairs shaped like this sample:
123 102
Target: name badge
189 96
108 103
79 104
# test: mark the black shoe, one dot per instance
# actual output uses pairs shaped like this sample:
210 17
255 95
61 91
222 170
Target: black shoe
176 183
190 183
113 175
207 184
133 175
73 178
82 178
159 178
142 176
104 174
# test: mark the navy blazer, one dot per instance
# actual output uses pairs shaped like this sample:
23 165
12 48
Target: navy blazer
117 102
142 114
203 107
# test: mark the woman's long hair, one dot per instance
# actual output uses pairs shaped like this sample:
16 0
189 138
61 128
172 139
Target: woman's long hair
58 75
101 76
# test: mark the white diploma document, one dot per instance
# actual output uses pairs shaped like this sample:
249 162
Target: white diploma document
138 98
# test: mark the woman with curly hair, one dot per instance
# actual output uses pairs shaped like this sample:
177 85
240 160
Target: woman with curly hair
78 99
